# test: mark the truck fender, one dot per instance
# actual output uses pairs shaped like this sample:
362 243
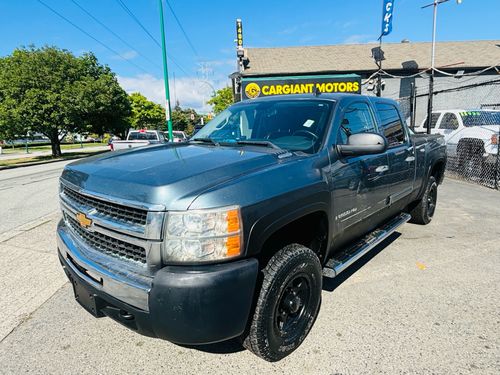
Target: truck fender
266 226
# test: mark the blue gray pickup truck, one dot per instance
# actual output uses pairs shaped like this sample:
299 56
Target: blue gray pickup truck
229 235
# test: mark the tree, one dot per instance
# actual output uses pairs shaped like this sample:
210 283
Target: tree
145 113
50 91
184 119
222 99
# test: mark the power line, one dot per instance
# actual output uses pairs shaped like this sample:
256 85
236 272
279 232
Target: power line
182 28
132 15
90 36
115 34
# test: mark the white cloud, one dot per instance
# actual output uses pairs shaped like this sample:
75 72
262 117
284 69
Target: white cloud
189 91
127 55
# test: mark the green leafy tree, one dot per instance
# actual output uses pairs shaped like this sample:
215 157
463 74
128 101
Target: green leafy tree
222 99
184 119
50 91
145 113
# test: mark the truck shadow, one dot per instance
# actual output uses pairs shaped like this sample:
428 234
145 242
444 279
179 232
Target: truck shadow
331 284
234 345
225 347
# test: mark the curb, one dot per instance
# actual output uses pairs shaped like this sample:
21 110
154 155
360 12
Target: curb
28 226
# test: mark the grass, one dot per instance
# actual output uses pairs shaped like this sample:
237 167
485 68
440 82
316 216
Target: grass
45 158
21 150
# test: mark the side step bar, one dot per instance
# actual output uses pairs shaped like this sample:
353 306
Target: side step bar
340 261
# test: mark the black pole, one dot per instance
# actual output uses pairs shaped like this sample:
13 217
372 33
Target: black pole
497 162
429 102
412 106
379 80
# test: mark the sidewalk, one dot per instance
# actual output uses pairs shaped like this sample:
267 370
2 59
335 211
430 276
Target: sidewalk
33 154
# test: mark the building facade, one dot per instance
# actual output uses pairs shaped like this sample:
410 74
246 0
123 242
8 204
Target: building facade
468 75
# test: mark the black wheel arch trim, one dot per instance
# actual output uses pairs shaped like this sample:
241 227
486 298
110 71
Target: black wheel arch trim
265 227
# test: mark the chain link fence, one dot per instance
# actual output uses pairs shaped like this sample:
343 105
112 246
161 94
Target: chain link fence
466 112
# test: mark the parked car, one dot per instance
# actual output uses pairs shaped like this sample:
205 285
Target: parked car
179 136
140 138
471 137
230 234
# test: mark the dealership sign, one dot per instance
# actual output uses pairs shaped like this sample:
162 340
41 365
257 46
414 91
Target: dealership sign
252 88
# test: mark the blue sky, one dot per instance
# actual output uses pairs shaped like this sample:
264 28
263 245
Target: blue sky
211 30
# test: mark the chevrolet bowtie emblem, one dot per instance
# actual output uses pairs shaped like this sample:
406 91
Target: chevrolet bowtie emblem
84 221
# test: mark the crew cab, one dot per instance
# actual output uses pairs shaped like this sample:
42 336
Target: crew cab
471 137
230 234
140 138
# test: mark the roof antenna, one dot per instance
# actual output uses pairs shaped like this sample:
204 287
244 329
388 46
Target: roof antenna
317 91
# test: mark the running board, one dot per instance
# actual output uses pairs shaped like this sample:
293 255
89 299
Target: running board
340 261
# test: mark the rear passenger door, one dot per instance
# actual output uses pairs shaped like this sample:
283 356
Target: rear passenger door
401 154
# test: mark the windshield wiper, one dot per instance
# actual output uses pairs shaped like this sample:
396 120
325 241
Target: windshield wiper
205 140
259 143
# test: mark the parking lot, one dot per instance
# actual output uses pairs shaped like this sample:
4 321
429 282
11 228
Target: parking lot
425 301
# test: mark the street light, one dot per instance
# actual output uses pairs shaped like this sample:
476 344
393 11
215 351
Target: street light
435 4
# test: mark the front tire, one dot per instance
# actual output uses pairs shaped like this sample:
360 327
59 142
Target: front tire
287 305
423 212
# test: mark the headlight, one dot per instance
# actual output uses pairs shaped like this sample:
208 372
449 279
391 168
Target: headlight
203 235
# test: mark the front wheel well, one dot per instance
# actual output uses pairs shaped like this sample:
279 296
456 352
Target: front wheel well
310 231
469 146
438 171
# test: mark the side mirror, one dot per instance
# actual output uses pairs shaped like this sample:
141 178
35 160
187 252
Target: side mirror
363 144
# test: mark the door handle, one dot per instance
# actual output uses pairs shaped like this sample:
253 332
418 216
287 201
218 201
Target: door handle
382 168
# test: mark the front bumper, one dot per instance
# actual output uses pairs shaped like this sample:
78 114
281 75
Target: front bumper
185 305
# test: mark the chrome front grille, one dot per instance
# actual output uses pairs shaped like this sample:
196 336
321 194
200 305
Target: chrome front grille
108 210
127 230
106 244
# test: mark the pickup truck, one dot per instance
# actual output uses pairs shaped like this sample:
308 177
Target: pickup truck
139 138
230 234
471 137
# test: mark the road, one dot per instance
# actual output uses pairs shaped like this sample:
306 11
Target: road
425 301
28 193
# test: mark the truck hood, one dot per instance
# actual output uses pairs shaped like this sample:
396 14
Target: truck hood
168 175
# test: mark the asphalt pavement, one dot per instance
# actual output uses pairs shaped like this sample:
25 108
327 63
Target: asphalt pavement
28 193
425 301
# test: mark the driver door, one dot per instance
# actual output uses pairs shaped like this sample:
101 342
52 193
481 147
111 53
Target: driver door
360 187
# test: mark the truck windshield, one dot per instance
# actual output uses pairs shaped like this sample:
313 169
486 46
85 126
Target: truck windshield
478 118
294 125
142 136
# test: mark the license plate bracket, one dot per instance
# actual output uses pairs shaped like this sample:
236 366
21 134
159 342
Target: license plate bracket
88 300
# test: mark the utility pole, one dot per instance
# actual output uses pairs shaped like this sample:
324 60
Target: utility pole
165 75
434 4
431 79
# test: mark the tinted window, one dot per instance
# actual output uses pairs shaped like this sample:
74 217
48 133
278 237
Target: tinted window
449 121
142 136
434 119
479 118
391 124
357 119
297 125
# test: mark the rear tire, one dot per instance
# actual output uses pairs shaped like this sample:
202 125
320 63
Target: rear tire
473 167
287 305
423 212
